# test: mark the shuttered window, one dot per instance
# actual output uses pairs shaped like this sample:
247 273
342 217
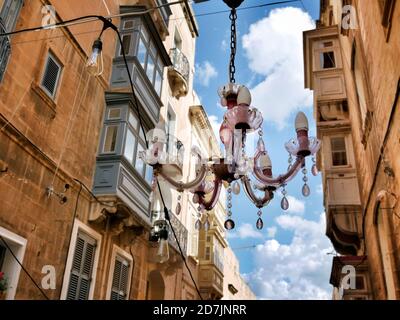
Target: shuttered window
339 154
9 12
82 268
51 76
119 290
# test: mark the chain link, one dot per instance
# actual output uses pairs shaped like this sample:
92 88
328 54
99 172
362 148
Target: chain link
232 67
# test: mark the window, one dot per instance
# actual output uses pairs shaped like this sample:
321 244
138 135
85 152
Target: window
339 154
8 263
114 113
327 60
82 267
51 76
110 140
138 42
120 281
171 118
207 254
9 11
134 144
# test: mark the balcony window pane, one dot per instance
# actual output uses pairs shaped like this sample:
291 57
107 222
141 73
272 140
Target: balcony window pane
150 68
327 60
153 49
128 24
129 146
140 166
145 34
149 174
133 121
126 44
142 53
157 83
110 139
339 155
114 113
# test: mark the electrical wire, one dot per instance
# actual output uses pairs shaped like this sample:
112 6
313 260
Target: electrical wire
147 146
23 268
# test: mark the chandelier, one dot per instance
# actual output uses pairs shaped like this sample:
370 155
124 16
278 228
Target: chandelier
254 173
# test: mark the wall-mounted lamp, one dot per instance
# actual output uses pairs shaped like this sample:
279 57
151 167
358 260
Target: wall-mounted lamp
159 233
61 195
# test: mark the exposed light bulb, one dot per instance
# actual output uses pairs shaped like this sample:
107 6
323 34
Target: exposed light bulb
95 61
163 251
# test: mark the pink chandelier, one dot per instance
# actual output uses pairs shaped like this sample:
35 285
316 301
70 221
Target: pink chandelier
255 173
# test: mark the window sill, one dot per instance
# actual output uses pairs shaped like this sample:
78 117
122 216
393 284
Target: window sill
46 99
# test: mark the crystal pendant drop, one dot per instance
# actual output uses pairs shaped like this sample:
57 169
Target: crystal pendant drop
195 198
236 188
284 203
207 225
259 224
229 224
314 170
306 190
178 208
198 224
259 213
261 145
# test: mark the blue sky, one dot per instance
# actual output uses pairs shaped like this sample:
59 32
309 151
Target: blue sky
290 260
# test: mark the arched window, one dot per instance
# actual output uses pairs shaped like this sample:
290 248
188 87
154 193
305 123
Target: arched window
383 242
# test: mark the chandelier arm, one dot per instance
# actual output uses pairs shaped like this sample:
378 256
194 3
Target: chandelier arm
259 202
281 179
179 185
209 205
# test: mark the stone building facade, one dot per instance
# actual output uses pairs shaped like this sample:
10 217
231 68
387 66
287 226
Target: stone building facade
60 127
351 64
235 286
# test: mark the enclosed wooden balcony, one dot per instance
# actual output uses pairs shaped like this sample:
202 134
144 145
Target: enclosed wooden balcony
178 73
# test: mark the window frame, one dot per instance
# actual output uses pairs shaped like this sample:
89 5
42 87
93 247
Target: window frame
139 139
140 34
52 56
21 243
119 252
81 227
345 150
106 128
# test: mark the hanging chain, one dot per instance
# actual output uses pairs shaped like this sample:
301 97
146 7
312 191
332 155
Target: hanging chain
232 67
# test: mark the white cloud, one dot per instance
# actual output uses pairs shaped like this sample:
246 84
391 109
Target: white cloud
298 270
274 48
215 124
271 232
205 72
246 231
296 206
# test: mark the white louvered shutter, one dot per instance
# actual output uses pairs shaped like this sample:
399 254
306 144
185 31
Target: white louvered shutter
82 268
119 290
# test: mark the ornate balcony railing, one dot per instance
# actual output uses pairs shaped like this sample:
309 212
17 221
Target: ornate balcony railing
181 234
174 149
180 63
5 50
